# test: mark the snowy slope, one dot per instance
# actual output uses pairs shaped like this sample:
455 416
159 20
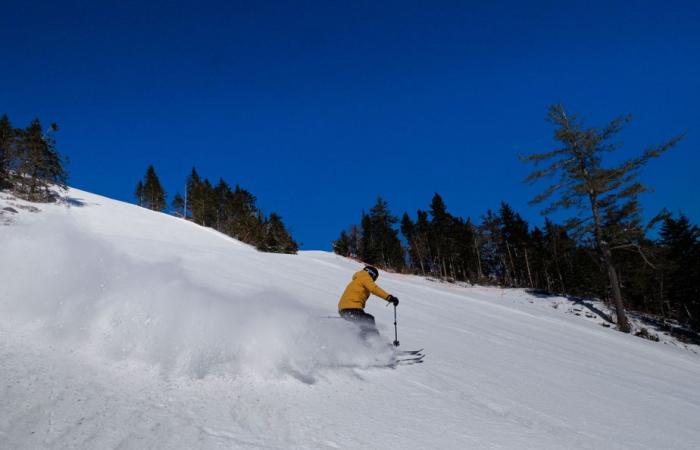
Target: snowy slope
125 328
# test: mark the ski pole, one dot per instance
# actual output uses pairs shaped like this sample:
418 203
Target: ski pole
396 333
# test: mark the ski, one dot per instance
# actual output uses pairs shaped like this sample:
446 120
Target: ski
410 359
394 364
409 352
409 362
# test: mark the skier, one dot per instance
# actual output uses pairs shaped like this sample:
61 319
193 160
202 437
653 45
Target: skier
352 303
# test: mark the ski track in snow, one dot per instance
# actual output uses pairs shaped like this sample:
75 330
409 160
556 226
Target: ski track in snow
123 328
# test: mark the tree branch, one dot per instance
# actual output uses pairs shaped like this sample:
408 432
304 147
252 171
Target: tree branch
639 250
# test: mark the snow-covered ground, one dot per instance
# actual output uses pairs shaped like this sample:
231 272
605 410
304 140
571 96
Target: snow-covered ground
125 328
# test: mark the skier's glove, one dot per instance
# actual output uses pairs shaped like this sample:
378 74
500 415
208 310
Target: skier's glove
392 299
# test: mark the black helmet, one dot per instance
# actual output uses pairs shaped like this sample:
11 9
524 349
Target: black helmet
372 271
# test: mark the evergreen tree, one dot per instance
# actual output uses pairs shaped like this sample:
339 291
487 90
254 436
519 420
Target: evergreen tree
179 205
38 164
409 231
193 195
7 144
422 241
539 261
152 191
354 241
139 193
244 221
451 243
558 248
605 194
368 242
477 243
514 243
680 242
492 259
341 246
222 193
276 237
466 266
207 204
380 243
257 230
439 235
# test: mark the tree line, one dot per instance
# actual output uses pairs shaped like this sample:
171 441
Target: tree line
30 165
604 250
232 211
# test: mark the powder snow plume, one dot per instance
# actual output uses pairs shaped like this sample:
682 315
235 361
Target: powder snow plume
87 296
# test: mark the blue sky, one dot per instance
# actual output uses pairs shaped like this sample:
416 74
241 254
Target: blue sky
318 107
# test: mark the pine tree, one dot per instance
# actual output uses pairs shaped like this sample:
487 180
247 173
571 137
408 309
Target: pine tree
257 231
449 243
38 166
514 246
354 241
477 243
368 241
466 264
152 191
179 205
380 241
439 236
422 241
341 246
7 144
539 261
276 237
409 231
680 242
493 260
243 222
207 204
600 194
193 195
558 248
222 193
139 193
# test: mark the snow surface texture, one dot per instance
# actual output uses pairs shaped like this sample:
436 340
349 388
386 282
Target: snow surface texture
125 328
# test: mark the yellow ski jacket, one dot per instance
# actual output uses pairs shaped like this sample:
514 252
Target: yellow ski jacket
358 290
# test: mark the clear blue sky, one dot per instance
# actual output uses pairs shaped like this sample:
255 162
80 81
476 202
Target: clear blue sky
318 107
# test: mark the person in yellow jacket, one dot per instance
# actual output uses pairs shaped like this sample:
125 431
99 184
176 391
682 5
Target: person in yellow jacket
352 303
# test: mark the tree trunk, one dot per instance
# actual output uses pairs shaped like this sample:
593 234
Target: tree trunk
512 267
622 322
478 258
561 279
661 296
506 275
529 274
420 257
